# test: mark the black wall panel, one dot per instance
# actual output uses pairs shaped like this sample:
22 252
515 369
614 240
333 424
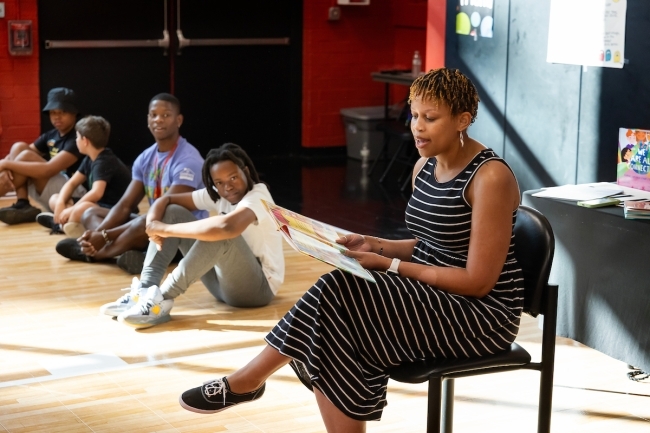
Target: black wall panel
559 123
111 82
484 60
542 103
623 97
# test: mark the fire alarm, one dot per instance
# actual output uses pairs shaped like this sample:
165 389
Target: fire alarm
334 13
20 37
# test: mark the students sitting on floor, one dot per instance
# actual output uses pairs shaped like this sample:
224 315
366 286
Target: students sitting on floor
101 173
40 169
169 166
237 253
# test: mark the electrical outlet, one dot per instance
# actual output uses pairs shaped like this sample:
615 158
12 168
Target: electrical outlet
2 9
334 13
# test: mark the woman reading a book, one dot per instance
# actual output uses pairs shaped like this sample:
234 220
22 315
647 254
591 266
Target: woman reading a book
237 253
452 291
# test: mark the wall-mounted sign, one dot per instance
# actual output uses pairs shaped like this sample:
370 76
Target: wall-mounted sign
475 18
587 32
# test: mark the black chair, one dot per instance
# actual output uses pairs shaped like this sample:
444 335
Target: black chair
535 246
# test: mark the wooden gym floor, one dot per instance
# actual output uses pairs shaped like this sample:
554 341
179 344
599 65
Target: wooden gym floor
65 368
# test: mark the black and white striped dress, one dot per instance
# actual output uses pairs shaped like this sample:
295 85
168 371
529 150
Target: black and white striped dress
347 331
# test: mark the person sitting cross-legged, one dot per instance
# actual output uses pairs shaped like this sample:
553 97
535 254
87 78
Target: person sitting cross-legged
102 173
171 165
39 170
237 253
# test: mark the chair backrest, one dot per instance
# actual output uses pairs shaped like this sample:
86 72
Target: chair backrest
534 249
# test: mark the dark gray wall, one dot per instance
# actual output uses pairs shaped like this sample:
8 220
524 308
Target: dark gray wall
554 124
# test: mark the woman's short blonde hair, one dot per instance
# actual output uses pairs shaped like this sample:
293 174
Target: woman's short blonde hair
449 86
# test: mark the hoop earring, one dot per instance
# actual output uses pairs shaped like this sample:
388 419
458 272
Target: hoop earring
462 142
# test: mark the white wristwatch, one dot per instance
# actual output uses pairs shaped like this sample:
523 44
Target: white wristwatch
394 265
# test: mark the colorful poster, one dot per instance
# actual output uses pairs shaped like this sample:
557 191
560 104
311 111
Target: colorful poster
587 32
475 18
633 168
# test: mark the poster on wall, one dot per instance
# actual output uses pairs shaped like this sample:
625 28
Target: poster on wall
475 18
587 32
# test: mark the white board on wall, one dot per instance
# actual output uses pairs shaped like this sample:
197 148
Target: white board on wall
587 32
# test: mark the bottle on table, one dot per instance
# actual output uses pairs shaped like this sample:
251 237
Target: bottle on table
365 154
416 64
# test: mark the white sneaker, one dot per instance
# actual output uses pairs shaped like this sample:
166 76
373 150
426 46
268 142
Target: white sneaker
151 309
126 301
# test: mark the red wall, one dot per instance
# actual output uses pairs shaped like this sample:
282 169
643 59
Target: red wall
338 57
436 27
19 92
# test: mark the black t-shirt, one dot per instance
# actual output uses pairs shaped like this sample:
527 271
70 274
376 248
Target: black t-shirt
111 169
51 143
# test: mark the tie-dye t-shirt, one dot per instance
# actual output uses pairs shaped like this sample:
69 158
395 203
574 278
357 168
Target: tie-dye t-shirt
182 168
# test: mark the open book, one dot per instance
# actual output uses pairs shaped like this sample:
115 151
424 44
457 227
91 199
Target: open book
315 239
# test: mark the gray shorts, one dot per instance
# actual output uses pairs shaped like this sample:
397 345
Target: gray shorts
53 186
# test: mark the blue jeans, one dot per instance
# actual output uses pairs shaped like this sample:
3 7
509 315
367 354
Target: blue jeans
227 268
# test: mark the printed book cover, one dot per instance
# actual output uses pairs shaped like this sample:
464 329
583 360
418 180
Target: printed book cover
633 170
315 239
637 205
636 210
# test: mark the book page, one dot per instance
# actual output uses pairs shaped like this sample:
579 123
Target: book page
310 227
328 254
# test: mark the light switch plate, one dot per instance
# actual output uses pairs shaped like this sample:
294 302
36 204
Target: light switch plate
2 9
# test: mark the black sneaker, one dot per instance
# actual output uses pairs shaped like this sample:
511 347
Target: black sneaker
15 214
131 261
70 249
46 219
215 396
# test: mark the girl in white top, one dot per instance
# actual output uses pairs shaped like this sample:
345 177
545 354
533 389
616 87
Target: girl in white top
237 253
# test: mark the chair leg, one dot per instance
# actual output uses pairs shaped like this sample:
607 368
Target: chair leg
435 404
407 182
383 154
548 362
392 161
447 423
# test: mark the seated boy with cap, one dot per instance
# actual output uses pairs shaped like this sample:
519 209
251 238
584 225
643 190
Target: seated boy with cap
40 169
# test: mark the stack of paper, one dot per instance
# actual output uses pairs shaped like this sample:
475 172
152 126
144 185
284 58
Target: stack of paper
637 210
587 191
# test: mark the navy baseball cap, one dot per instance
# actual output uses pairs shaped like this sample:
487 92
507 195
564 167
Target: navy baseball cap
61 98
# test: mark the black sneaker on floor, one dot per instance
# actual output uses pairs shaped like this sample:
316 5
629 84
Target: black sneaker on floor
70 249
131 261
46 219
19 214
215 396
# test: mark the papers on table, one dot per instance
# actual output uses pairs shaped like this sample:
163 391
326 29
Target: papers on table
631 194
591 191
586 191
